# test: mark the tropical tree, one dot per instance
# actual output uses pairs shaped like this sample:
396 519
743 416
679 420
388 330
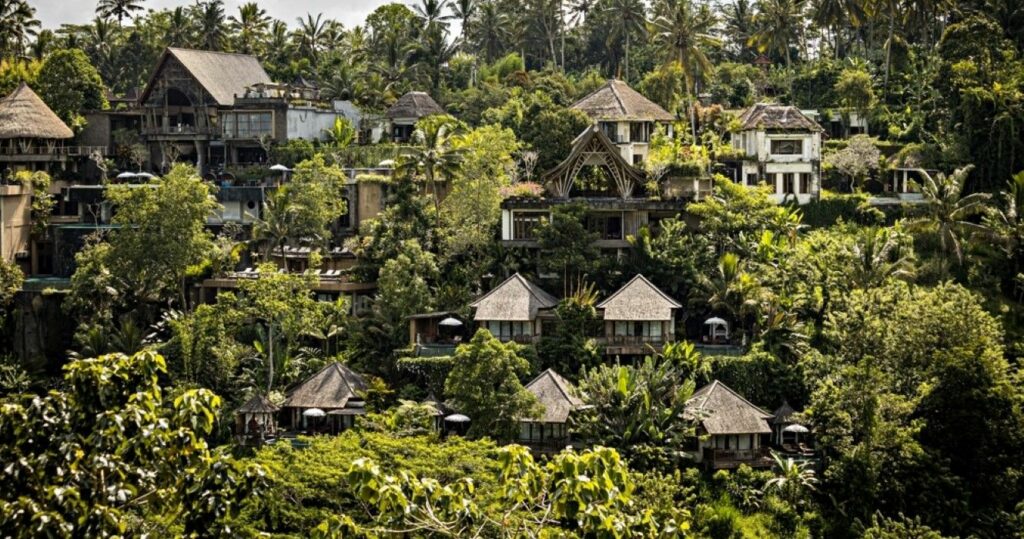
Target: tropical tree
464 10
880 254
838 14
489 29
948 211
17 25
309 35
738 19
250 28
779 24
683 31
118 9
793 480
433 155
431 13
211 24
628 18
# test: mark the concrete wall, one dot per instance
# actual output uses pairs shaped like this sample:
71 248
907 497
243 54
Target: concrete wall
370 202
16 228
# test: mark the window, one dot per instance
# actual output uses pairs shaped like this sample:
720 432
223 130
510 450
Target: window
805 183
640 131
611 130
787 183
524 225
752 178
506 331
651 330
638 158
248 124
608 227
787 147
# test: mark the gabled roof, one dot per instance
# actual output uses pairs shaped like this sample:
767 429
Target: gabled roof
516 299
721 410
24 115
639 299
617 101
258 404
222 74
592 147
414 105
777 117
556 394
331 387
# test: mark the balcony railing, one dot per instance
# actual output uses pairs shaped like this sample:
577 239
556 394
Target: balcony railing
180 130
732 458
55 150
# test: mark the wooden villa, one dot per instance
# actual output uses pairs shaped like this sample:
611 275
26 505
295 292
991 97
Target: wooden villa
31 136
637 318
327 401
409 109
513 311
626 117
550 431
731 431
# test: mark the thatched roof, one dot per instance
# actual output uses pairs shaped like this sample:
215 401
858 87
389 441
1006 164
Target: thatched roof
639 299
222 74
777 117
516 299
258 404
721 410
783 414
332 387
556 394
414 105
616 101
24 115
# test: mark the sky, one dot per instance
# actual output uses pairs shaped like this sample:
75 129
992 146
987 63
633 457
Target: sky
53 13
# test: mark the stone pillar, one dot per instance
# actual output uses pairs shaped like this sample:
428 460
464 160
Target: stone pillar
201 157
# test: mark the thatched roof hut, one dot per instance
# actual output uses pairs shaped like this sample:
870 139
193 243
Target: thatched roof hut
332 387
516 299
639 300
414 105
721 410
257 404
783 414
773 117
222 74
616 101
556 394
23 115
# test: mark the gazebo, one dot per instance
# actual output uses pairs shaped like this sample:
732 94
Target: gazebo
30 132
256 418
718 331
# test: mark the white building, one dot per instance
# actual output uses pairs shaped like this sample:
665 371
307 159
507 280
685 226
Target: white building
782 148
626 117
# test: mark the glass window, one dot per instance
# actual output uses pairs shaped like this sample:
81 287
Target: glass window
621 329
610 130
805 183
787 147
787 183
752 178
524 225
640 131
229 125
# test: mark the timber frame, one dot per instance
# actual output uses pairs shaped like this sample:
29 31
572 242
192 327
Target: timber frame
592 148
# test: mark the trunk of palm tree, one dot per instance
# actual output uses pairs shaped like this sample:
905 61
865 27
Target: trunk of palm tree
627 56
270 357
888 48
561 30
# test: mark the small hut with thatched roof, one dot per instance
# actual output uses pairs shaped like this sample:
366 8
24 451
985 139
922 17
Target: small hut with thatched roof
511 311
256 418
638 316
731 431
559 398
30 133
626 117
408 110
326 401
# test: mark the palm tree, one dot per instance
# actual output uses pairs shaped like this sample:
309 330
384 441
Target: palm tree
250 27
118 9
490 30
793 480
836 14
628 18
579 10
179 29
433 156
738 19
430 54
779 23
432 13
684 31
463 10
309 35
947 210
880 254
17 25
211 24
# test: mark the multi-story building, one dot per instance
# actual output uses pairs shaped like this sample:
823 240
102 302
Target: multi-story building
781 147
626 117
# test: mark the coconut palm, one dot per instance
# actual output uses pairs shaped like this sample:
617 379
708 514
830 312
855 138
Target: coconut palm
738 20
430 54
211 24
835 14
118 9
463 10
628 18
489 30
432 156
881 254
779 24
250 27
179 29
683 31
431 13
793 480
309 35
947 211
17 25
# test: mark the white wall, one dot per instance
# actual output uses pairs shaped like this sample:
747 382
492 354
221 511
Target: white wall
310 122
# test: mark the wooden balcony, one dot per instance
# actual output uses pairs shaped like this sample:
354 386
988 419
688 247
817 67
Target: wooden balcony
630 345
179 132
719 459
17 154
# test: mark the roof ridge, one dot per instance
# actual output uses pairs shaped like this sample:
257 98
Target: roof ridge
618 98
741 397
206 51
649 283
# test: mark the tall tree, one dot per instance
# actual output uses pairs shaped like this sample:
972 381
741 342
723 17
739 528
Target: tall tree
17 24
779 24
948 211
433 155
118 9
250 28
211 27
310 35
628 19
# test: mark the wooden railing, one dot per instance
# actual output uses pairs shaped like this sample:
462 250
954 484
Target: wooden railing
180 130
55 150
